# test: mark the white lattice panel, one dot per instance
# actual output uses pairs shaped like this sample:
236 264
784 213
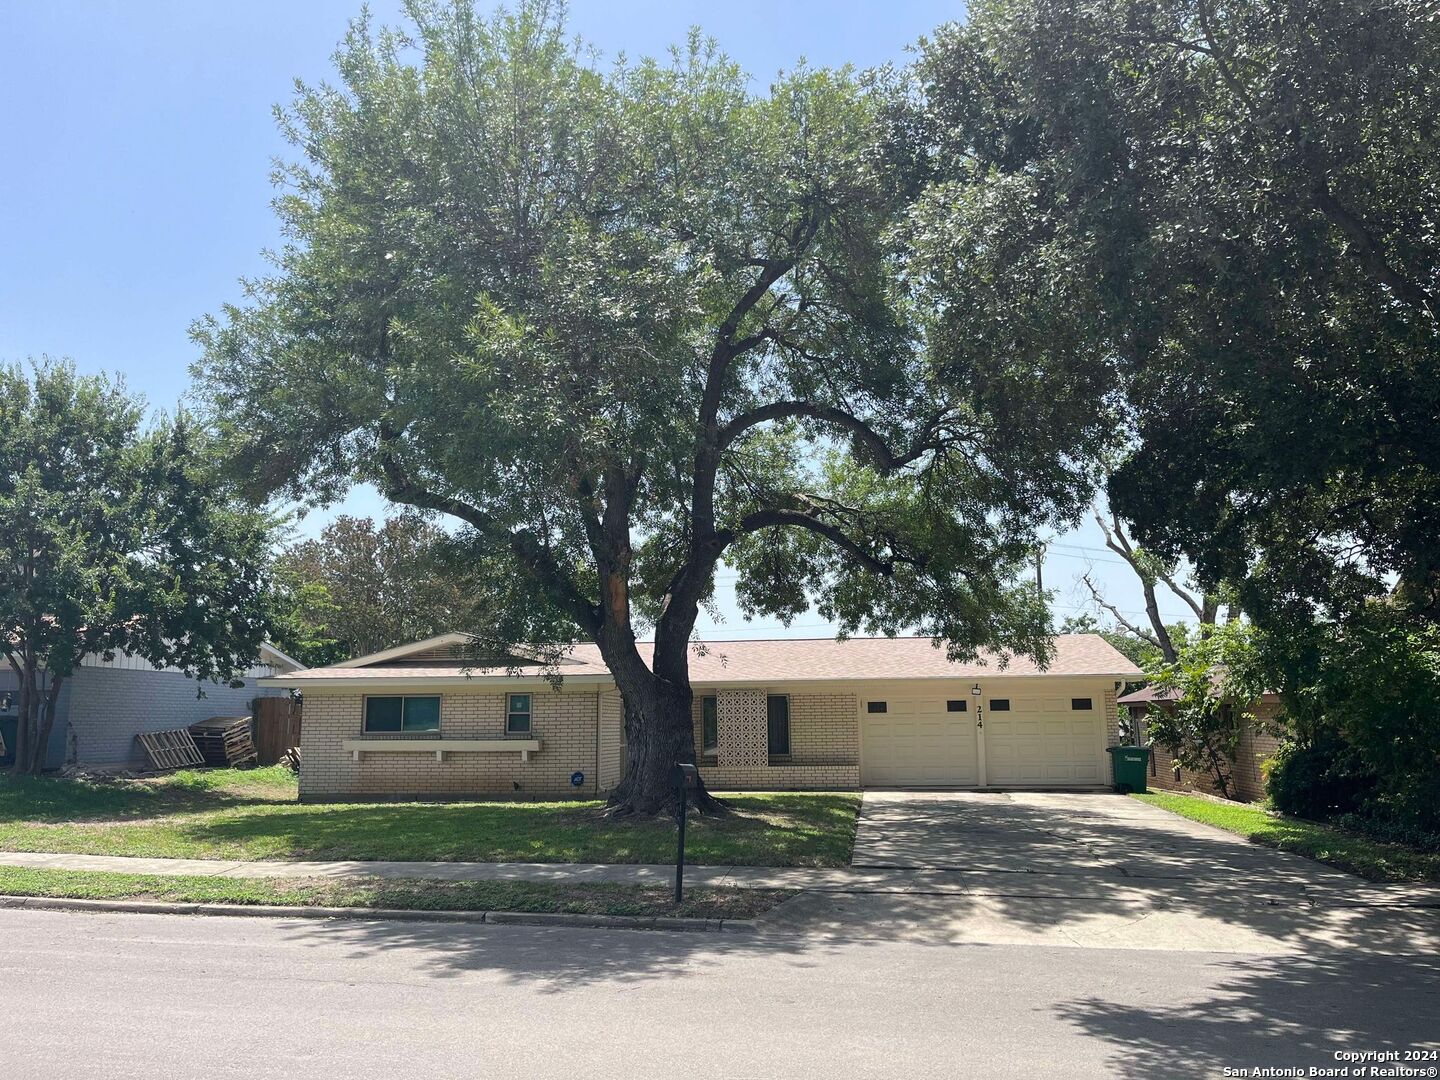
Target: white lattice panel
741 729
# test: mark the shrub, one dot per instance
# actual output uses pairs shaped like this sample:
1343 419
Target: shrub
1322 778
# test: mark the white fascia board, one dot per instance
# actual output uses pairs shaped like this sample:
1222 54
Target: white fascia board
410 681
400 651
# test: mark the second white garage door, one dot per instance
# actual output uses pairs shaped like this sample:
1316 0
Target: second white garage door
1036 742
1044 742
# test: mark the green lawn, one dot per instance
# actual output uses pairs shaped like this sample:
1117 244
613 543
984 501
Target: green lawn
413 895
1372 859
252 814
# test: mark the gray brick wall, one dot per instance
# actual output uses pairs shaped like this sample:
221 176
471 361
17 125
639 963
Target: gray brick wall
109 706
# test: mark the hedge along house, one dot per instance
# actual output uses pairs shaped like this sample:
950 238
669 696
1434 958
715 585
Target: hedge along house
104 704
423 721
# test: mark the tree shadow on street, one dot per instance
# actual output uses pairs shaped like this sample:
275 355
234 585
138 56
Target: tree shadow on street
1273 1011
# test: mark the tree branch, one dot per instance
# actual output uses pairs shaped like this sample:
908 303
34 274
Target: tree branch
1370 252
529 551
885 459
1099 598
777 516
1119 543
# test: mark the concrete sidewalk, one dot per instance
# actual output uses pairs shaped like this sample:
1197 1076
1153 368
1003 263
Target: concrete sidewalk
1095 885
754 877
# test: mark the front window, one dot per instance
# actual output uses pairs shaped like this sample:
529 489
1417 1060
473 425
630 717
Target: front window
777 715
709 725
517 716
402 714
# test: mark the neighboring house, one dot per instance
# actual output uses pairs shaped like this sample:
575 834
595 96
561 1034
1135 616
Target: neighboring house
423 721
106 703
1256 745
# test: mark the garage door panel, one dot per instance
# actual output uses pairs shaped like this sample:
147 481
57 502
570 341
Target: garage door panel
1042 741
1038 741
916 742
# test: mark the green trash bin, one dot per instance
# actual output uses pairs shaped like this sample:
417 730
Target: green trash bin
1129 766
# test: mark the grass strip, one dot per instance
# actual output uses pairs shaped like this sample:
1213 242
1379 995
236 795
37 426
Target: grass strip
409 894
1375 860
253 814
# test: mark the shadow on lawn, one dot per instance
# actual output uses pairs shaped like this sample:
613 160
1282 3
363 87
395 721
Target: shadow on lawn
53 799
524 832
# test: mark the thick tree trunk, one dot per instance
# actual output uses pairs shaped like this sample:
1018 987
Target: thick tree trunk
659 733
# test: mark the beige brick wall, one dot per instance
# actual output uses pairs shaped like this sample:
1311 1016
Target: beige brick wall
1112 718
566 723
781 777
1256 746
612 739
824 748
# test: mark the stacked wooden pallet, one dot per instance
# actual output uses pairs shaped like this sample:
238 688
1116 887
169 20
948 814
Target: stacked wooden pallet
225 740
170 749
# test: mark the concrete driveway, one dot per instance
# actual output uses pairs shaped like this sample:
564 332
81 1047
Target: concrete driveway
1096 870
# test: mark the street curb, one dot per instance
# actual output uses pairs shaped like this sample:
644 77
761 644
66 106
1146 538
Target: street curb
277 911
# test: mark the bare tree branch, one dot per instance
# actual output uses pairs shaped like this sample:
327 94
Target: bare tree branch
1115 613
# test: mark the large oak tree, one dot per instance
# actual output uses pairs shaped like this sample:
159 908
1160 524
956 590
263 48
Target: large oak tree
623 323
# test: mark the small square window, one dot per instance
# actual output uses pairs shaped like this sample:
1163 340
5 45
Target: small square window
999 704
517 715
709 725
1081 704
877 706
956 705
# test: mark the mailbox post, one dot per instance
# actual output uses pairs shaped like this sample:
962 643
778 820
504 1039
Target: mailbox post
686 778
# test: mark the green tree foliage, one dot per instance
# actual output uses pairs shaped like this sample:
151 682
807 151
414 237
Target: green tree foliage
1251 190
118 538
1210 686
1364 698
360 587
624 322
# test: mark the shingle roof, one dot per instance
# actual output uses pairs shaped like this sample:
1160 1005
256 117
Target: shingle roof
780 660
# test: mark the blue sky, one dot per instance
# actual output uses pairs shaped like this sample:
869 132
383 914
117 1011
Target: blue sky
135 158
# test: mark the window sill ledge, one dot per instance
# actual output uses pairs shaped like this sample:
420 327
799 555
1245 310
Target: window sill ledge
441 747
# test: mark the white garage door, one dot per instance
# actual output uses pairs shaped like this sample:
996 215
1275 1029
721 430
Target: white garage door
1043 742
917 743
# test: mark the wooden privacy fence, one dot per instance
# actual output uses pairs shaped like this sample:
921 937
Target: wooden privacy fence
277 727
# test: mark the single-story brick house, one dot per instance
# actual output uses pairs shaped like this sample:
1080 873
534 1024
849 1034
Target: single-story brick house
1257 744
106 703
422 721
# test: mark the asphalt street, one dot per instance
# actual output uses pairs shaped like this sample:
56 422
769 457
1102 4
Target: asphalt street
165 996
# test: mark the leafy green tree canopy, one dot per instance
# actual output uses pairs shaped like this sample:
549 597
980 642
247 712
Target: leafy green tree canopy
625 322
118 538
360 587
1252 190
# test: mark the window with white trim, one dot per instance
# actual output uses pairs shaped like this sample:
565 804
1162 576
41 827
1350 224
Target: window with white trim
518 714
396 714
